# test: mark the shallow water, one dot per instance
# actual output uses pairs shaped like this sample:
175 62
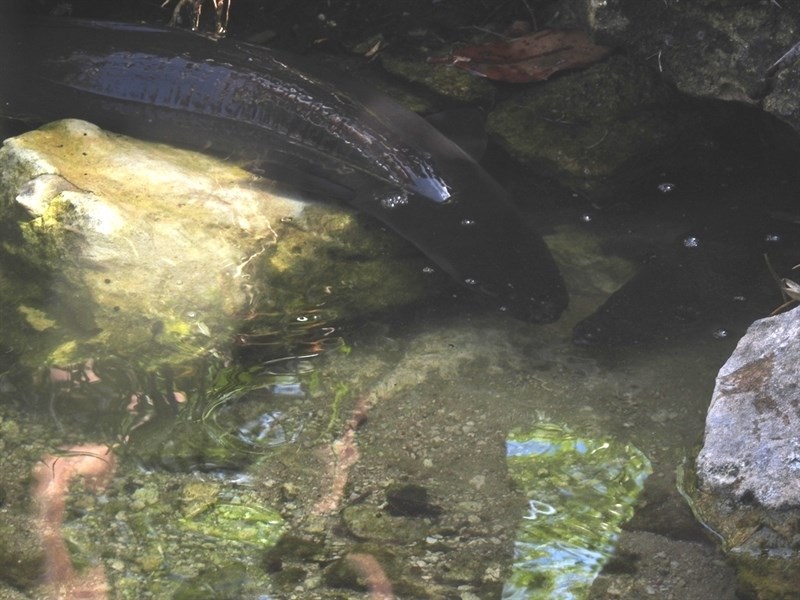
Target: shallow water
392 446
445 388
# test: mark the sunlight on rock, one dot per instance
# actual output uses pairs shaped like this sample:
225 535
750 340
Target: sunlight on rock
145 249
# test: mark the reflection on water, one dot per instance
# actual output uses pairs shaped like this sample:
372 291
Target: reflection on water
223 467
580 492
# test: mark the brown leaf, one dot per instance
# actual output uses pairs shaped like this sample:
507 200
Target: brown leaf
532 57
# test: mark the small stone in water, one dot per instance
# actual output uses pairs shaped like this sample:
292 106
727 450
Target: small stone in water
410 500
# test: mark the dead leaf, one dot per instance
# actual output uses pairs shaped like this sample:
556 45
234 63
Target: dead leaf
532 57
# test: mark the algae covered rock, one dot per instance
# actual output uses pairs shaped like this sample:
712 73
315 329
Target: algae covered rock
590 125
116 246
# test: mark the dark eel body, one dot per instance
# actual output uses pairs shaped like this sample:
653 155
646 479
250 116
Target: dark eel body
712 280
295 122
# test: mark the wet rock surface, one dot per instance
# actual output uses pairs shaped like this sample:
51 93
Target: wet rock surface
585 127
750 451
748 473
140 248
740 51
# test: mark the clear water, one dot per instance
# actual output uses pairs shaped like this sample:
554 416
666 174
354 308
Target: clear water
273 474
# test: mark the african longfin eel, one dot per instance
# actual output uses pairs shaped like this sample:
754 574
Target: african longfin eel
343 139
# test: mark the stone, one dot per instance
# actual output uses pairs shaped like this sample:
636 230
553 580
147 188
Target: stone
113 246
751 451
586 126
708 49
748 471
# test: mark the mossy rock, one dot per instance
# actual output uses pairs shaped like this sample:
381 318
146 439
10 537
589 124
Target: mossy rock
133 249
585 127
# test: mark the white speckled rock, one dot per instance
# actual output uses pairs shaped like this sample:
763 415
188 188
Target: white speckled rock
752 440
748 472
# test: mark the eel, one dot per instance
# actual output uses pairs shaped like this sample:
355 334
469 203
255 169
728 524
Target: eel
714 279
300 123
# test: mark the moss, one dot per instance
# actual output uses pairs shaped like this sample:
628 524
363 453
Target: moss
615 121
52 238
250 523
353 267
442 79
36 318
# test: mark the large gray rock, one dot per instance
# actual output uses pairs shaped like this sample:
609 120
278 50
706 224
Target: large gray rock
752 440
748 471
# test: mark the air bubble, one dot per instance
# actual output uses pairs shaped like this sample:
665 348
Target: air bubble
586 218
467 222
666 187
394 201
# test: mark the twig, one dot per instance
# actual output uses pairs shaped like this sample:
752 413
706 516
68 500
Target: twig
784 61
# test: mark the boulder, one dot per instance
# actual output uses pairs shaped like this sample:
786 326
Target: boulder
114 246
582 128
748 471
720 49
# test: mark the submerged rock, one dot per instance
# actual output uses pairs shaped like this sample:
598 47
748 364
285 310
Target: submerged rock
584 127
116 246
748 471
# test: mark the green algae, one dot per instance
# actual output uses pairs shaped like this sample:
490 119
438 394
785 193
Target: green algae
580 491
616 121
247 523
442 79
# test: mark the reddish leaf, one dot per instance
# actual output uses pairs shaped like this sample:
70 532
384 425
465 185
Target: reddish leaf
532 57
